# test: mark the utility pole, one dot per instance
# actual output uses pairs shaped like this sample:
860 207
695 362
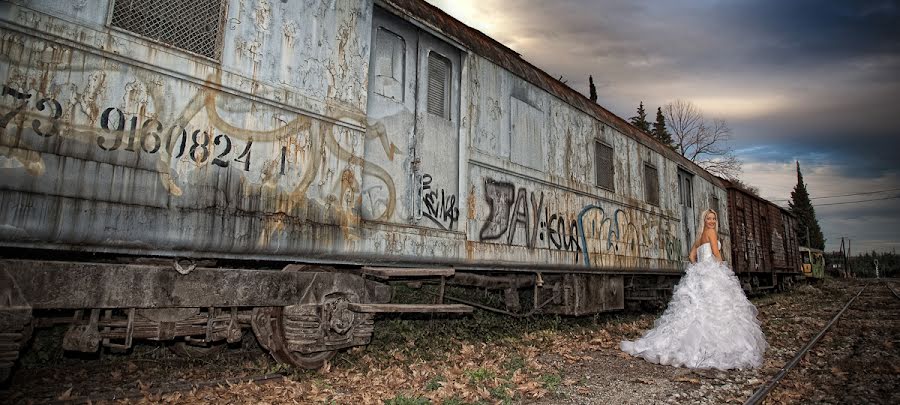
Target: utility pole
844 273
848 256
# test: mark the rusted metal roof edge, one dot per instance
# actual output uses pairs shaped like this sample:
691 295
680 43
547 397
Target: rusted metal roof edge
492 50
728 184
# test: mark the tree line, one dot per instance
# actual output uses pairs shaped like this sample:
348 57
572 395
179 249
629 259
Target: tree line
864 265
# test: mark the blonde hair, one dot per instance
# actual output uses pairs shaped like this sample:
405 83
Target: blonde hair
703 218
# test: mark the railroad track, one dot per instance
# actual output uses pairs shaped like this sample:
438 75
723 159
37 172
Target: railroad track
875 303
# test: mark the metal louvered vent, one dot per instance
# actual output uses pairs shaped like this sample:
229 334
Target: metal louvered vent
651 184
603 165
438 85
192 25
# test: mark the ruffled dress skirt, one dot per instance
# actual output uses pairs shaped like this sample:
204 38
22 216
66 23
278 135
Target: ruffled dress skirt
709 323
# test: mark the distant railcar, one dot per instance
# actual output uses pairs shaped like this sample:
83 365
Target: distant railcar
182 171
813 262
765 254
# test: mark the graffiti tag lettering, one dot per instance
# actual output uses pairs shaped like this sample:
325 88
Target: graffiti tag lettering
439 207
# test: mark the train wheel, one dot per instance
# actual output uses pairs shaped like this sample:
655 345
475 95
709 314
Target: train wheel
15 324
11 342
269 330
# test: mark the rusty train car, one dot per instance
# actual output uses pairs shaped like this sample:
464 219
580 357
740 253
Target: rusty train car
185 171
764 244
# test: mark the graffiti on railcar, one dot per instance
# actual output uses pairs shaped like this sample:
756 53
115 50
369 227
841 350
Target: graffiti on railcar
598 235
302 165
512 209
439 205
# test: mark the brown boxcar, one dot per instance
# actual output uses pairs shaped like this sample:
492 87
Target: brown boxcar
764 241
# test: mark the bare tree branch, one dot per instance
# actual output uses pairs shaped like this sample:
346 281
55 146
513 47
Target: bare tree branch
704 143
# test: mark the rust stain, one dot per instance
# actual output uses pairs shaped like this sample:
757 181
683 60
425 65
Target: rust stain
492 50
470 202
30 160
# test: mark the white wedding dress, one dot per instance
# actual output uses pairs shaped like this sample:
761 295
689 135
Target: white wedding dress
709 323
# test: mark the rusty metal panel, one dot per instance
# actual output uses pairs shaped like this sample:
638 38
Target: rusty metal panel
113 142
527 133
510 61
792 247
46 284
123 144
535 216
581 294
558 216
763 237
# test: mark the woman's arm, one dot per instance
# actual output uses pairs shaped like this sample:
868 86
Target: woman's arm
714 243
692 255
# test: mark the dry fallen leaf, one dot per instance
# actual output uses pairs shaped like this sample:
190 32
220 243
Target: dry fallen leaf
65 395
686 379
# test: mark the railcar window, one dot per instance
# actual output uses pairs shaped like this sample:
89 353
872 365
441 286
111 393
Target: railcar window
191 25
439 74
688 193
603 165
714 203
651 184
390 58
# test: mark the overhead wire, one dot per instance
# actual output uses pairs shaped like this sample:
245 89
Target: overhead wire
860 201
847 195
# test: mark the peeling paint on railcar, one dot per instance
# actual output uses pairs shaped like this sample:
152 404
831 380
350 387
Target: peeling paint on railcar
319 178
90 138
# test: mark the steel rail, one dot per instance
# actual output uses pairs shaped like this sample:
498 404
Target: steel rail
891 288
761 393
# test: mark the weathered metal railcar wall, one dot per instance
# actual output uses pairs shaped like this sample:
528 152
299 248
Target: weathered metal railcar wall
756 234
792 247
112 142
532 194
117 143
510 64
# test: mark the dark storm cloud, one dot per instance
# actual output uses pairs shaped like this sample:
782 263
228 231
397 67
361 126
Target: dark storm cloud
853 156
812 31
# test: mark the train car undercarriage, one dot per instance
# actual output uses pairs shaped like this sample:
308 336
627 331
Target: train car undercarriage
301 314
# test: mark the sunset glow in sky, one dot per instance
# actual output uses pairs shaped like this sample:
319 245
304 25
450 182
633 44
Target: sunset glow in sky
814 81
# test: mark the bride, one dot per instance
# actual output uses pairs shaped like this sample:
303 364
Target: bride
709 323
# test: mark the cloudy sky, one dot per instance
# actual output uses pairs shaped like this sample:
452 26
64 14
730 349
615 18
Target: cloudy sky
811 81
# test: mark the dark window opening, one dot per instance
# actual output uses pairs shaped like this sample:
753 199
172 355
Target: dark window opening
651 184
603 165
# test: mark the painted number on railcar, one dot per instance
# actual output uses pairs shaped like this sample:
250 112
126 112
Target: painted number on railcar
180 141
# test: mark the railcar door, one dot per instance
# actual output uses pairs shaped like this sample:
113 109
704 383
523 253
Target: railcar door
412 143
387 188
436 143
686 199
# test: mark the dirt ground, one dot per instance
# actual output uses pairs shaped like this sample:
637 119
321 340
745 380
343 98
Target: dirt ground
490 359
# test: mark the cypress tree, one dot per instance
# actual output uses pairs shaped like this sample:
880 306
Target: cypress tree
593 89
659 128
640 120
802 208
